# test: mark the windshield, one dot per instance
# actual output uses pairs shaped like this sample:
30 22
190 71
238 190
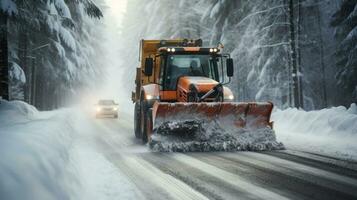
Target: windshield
106 102
188 65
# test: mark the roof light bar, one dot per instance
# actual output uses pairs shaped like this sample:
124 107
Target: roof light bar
171 50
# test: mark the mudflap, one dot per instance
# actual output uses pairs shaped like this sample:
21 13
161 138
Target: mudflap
187 127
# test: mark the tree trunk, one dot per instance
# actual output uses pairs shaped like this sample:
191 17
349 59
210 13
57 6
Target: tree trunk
288 71
4 63
33 82
299 68
293 55
322 60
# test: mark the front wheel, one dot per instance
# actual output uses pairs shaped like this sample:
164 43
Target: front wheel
144 121
137 122
149 125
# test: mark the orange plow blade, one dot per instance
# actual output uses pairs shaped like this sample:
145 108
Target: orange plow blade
249 115
211 126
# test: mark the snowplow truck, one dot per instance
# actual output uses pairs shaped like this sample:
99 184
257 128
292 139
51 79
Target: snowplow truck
182 102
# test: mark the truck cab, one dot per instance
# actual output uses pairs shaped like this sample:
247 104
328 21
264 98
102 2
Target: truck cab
178 71
175 65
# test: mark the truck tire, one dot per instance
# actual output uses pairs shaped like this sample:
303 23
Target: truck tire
143 119
149 125
137 127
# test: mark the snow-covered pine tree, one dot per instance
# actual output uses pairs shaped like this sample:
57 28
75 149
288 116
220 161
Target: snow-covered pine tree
60 41
345 21
256 33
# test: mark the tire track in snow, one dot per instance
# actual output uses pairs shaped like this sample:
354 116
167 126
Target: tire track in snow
231 178
205 183
174 187
338 166
150 180
280 184
327 184
287 184
301 168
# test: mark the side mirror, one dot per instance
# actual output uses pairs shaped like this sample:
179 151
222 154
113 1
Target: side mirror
149 65
230 67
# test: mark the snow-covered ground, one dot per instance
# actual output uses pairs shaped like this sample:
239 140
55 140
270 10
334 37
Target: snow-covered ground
331 131
54 155
50 155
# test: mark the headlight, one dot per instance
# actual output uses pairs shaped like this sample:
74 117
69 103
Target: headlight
99 109
171 50
229 97
115 109
151 97
215 50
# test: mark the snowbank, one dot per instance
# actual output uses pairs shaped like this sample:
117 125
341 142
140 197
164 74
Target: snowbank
34 155
49 155
15 111
330 131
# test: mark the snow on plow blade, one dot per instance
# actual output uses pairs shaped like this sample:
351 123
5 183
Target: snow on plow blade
213 127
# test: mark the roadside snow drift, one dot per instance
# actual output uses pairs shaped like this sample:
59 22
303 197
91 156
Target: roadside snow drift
330 131
51 155
34 154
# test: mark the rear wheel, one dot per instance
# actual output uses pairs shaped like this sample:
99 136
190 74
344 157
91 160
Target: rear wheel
137 128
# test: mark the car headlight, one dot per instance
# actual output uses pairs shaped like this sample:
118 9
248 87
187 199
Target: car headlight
99 109
115 109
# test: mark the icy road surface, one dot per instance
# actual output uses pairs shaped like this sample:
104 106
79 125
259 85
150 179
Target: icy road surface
68 154
237 175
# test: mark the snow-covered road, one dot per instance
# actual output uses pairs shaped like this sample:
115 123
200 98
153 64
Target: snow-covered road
101 159
239 175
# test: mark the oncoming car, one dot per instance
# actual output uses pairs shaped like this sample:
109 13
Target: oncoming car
106 108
